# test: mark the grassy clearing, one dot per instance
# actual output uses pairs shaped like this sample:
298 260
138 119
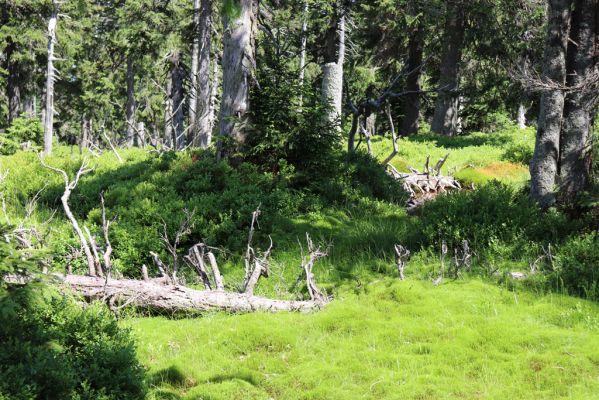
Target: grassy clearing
476 158
389 339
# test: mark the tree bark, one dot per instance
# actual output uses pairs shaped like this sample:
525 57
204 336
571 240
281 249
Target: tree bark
332 71
445 118
13 85
200 129
50 78
168 113
302 55
238 64
130 107
574 167
155 295
411 106
544 164
521 120
177 76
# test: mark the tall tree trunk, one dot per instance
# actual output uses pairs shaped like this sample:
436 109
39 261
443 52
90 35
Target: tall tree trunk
203 109
192 129
544 164
238 65
13 84
177 76
332 70
521 116
168 114
50 78
445 119
411 106
574 165
302 60
130 107
213 104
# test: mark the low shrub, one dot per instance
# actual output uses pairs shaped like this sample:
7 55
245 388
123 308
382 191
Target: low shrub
493 213
577 265
54 349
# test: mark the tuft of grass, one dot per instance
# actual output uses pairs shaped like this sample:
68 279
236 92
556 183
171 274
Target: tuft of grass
390 339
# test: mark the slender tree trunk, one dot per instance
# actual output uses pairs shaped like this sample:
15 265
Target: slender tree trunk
576 134
411 106
238 65
302 55
544 164
168 114
50 78
13 85
445 119
192 130
177 76
213 99
130 108
85 132
203 109
332 71
521 116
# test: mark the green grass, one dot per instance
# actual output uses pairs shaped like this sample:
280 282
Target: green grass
388 339
468 155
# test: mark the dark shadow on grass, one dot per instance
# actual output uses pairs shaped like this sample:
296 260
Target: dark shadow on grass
456 142
242 376
173 376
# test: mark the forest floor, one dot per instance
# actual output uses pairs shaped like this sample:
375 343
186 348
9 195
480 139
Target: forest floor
381 338
482 336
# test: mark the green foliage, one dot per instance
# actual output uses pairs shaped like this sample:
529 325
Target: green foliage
492 213
577 266
53 349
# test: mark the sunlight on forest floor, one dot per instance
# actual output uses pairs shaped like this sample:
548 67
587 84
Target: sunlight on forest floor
393 340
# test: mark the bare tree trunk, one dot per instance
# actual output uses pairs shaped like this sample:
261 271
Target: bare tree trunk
445 119
193 84
302 60
130 107
521 116
238 64
177 76
168 114
200 128
50 78
86 134
332 71
13 85
155 295
576 134
213 98
544 164
411 106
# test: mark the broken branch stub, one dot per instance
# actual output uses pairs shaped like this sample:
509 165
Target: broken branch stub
401 257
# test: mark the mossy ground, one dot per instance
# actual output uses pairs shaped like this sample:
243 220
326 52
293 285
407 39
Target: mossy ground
384 340
381 338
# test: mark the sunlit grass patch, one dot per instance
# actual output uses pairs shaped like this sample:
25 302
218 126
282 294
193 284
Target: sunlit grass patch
390 340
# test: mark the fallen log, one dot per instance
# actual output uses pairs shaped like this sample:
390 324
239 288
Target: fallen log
426 185
160 295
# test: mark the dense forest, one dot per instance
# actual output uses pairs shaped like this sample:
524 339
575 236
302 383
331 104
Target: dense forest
299 199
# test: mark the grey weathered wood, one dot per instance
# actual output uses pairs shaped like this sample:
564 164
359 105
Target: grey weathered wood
544 164
50 78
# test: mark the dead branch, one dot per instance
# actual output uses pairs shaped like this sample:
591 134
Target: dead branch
69 186
172 245
314 254
401 257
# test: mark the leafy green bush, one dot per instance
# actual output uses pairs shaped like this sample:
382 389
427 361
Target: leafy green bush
54 349
520 152
494 213
577 265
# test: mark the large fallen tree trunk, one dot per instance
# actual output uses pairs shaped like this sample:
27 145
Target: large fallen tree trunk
158 295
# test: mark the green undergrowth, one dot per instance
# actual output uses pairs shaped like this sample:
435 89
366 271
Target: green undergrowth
385 339
475 158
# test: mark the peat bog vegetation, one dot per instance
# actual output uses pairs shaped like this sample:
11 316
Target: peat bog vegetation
178 178
483 335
